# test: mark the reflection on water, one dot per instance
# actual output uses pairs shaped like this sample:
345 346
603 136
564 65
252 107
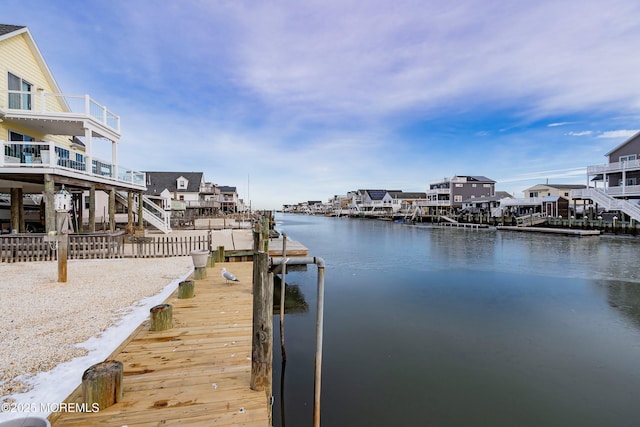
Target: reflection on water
445 327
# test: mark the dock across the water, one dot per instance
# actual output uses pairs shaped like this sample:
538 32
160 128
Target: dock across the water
563 231
197 373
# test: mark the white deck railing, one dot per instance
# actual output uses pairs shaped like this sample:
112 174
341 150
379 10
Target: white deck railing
613 167
57 103
41 154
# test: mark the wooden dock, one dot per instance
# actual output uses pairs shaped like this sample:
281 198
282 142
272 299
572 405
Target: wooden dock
563 231
197 373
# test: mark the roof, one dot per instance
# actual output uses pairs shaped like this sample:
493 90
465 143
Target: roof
565 186
6 29
623 144
227 189
479 178
157 182
407 195
376 194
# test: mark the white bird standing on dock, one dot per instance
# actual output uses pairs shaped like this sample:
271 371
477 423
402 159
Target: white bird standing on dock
226 275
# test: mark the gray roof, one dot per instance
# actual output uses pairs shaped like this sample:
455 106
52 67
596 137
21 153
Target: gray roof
157 182
376 194
6 29
407 195
227 189
479 178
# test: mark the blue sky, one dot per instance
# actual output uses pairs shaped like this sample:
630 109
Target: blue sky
300 100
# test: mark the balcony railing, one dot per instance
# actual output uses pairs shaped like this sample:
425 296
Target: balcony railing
613 167
55 103
32 155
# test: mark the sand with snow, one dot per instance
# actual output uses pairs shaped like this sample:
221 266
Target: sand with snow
50 332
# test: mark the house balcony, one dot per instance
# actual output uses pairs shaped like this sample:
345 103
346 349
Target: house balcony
433 191
59 114
607 168
33 158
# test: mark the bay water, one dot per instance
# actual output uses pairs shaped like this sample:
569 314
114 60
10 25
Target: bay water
427 326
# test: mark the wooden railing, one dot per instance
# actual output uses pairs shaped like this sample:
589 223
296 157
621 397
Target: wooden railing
33 247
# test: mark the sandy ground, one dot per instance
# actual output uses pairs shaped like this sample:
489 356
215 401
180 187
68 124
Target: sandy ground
42 321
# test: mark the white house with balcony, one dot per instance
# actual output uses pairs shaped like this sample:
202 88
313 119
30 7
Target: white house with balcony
48 139
615 186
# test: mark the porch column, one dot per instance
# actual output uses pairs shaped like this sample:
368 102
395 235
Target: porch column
17 226
114 159
92 209
89 153
49 207
112 210
80 211
129 211
140 219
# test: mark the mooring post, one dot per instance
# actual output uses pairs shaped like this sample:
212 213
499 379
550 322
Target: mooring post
186 289
102 385
262 338
63 248
161 317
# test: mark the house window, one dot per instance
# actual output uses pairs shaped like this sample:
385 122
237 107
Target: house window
628 158
629 181
533 194
457 198
87 205
19 93
459 185
486 185
474 185
566 194
182 184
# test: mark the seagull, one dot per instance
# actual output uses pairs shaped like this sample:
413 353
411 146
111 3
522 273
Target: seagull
226 275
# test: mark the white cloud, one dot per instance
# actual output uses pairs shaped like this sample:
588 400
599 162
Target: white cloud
618 134
559 124
581 133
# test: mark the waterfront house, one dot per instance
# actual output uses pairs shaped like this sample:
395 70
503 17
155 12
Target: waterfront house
483 204
229 201
48 138
406 202
447 194
616 184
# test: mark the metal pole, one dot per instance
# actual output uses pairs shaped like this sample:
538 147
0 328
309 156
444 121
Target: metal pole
283 287
319 329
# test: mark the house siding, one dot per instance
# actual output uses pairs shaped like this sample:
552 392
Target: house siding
19 59
631 147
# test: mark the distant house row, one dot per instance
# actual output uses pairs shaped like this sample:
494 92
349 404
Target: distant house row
611 187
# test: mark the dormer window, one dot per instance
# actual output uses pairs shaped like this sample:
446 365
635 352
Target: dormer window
182 183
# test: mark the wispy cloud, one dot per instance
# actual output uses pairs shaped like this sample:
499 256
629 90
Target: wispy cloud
581 133
618 134
559 124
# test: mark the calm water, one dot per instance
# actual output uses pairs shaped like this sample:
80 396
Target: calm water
444 327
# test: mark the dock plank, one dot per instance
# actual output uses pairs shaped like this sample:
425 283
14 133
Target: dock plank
196 373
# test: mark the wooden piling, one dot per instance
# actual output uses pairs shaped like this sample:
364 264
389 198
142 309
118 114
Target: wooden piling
220 254
186 289
199 273
161 317
63 249
262 339
102 385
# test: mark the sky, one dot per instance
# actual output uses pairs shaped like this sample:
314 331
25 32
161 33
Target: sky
293 100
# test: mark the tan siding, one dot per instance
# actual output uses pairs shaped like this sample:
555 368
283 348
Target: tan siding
19 59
